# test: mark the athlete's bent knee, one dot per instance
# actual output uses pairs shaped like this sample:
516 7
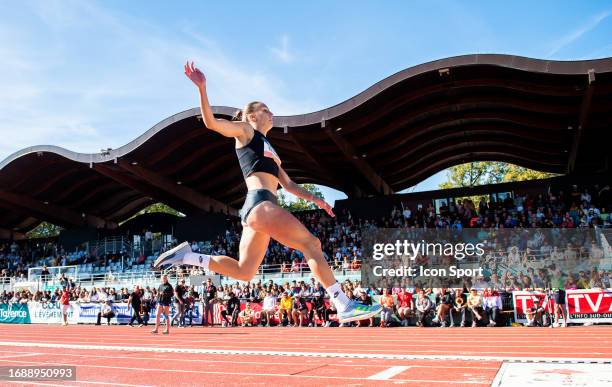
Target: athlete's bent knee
245 273
240 276
312 245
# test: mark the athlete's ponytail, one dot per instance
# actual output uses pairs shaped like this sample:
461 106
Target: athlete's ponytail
241 115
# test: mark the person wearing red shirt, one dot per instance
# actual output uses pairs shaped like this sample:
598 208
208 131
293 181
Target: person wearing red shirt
65 302
404 306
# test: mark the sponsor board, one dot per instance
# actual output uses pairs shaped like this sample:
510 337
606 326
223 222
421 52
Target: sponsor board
14 314
583 305
51 313
589 305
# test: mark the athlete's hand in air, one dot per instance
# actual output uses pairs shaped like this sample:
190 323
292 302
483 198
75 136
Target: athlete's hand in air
325 206
196 76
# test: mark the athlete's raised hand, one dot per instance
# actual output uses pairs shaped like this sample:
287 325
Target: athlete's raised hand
195 75
325 206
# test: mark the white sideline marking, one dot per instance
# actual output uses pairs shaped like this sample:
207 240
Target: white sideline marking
76 381
388 373
107 383
9 357
346 363
520 359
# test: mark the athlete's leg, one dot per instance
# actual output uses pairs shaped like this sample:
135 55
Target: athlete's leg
157 318
167 314
279 224
253 245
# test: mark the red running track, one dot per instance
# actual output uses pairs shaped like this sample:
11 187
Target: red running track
120 355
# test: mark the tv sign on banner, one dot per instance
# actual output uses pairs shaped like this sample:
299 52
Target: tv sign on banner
583 305
589 305
524 300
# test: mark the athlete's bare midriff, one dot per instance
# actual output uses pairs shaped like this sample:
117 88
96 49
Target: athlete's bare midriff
259 180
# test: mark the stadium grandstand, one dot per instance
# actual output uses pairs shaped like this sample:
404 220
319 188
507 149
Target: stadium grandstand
544 115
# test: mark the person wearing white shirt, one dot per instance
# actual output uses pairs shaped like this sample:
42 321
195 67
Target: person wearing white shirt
268 307
513 257
493 305
407 213
102 296
106 312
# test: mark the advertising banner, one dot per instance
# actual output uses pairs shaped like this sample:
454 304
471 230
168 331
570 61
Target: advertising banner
583 305
524 300
51 313
589 305
14 314
87 313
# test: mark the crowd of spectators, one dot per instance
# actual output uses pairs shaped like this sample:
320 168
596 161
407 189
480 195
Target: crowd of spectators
341 236
563 208
540 262
304 303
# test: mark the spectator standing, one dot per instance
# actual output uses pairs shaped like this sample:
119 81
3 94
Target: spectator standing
164 299
65 304
179 303
135 301
209 295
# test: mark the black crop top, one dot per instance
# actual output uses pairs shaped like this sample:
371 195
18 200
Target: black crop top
258 156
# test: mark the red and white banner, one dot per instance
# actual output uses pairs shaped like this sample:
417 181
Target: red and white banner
589 305
524 300
583 305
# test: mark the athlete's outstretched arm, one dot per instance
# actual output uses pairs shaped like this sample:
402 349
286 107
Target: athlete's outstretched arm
221 126
297 190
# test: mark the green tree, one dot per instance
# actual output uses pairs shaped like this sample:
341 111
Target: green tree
44 230
160 207
300 204
489 172
155 207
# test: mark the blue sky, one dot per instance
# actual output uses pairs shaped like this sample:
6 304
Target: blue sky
90 75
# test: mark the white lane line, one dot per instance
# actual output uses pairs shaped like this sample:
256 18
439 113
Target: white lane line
388 373
253 348
521 359
75 381
108 383
348 363
24 383
9 357
221 343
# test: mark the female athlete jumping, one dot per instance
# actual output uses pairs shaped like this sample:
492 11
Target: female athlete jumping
262 218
